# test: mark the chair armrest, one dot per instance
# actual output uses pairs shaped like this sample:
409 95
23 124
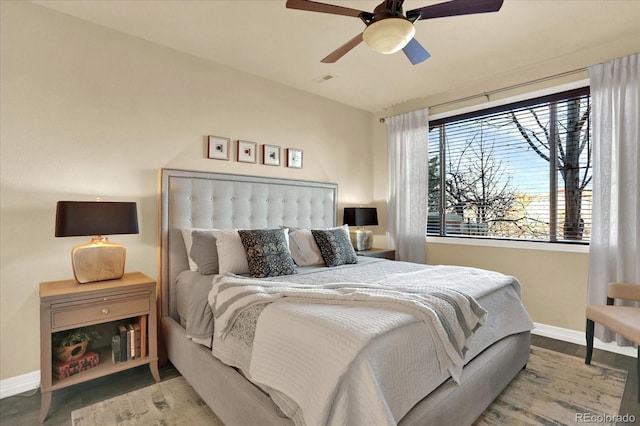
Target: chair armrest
624 291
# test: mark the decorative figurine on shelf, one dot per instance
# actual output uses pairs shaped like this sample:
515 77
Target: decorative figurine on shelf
71 344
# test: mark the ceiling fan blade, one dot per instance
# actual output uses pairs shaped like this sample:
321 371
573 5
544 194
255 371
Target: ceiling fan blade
455 8
342 50
415 52
314 6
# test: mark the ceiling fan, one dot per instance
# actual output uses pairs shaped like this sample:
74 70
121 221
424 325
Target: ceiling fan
388 29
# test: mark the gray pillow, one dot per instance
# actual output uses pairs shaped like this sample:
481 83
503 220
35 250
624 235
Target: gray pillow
267 253
335 246
204 252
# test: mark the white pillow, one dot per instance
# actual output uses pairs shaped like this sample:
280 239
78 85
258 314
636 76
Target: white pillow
231 255
305 250
303 247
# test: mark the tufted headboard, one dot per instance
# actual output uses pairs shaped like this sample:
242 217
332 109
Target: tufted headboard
190 199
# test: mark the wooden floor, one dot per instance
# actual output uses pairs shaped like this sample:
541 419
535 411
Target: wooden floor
24 409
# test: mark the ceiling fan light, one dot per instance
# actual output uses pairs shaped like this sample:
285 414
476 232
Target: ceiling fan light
389 35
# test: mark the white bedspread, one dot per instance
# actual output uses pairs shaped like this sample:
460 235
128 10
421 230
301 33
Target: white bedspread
369 364
451 316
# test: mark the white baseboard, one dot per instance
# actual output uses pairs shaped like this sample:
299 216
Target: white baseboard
578 337
18 384
26 382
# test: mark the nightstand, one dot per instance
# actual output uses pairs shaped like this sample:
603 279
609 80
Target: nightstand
378 252
66 305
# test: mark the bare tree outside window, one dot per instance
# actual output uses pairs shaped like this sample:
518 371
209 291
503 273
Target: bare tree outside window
495 168
573 153
478 189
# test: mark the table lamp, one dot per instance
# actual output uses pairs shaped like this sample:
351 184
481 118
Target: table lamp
360 217
100 259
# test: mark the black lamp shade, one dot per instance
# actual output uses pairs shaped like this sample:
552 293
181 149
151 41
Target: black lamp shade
360 216
82 218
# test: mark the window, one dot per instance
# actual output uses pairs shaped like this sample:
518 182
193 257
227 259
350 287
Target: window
520 171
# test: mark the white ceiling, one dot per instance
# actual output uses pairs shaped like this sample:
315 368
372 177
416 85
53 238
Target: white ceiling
264 38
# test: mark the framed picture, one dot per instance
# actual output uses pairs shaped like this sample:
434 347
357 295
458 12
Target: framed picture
218 148
271 155
247 151
294 158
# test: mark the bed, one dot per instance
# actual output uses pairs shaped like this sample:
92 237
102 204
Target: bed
190 199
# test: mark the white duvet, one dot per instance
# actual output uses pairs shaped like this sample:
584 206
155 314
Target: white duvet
368 364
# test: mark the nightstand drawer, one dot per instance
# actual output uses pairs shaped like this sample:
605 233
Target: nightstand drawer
98 309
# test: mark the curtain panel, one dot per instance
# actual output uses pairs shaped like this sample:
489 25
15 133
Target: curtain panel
614 254
407 149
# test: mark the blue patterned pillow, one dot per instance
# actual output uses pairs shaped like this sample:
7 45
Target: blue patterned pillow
267 252
335 246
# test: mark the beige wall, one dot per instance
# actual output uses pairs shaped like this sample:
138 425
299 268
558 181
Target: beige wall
89 112
554 283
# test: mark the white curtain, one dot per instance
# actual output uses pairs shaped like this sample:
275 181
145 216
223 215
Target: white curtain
614 254
407 149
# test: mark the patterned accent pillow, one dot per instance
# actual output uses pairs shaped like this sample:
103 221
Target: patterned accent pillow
267 252
335 246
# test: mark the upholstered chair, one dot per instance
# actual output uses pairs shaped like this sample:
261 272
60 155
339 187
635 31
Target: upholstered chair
623 320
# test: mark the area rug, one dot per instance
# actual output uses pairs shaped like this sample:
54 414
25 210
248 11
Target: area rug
558 389
553 390
169 403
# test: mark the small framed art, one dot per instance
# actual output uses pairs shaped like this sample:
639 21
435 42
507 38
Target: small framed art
218 148
271 155
294 158
247 151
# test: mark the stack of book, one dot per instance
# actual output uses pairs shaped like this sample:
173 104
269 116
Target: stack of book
132 342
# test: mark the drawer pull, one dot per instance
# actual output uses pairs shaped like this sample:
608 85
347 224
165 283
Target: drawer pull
105 311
